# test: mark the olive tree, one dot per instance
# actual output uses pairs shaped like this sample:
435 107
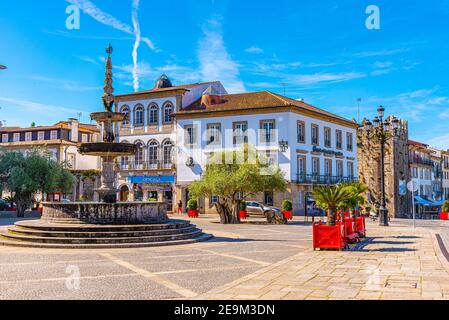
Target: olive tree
27 175
233 176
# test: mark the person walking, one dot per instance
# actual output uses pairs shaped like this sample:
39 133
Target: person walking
180 207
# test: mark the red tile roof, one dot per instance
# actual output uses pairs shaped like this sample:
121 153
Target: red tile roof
182 87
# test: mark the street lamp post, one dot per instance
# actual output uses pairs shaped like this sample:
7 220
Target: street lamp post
383 130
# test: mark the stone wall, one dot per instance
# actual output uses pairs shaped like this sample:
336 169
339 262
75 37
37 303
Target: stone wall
396 168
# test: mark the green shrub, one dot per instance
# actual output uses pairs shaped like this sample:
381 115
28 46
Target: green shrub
192 204
287 205
243 205
445 207
152 199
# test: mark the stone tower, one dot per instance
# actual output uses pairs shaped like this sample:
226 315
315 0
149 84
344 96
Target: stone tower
396 168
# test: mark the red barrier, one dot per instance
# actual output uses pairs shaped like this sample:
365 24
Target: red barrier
328 237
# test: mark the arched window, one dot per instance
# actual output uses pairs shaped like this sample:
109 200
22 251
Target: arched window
138 115
153 154
124 163
168 111
138 156
125 111
167 150
153 114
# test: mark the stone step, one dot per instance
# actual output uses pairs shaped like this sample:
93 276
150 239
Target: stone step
64 240
40 225
27 231
7 242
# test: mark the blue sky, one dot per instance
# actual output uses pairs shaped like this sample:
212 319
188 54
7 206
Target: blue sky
317 50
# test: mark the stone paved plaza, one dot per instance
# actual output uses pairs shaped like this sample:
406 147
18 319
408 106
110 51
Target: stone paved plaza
248 261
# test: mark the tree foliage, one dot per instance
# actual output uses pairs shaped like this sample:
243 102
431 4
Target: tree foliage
27 175
234 176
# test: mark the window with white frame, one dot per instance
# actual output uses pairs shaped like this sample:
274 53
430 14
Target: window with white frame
53 134
41 135
213 133
189 135
327 137
84 138
316 166
328 167
240 132
5 137
167 150
267 131
125 111
138 115
315 134
138 156
28 136
168 113
339 139
153 115
301 131
301 166
339 168
153 153
350 169
16 137
349 141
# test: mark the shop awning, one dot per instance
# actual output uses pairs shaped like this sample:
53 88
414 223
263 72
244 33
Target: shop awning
423 202
151 179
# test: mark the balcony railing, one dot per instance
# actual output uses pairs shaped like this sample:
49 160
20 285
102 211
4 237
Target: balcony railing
323 180
419 160
146 165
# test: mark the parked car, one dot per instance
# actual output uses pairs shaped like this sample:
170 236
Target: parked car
255 208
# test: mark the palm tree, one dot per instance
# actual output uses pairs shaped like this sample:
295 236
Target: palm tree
356 191
329 198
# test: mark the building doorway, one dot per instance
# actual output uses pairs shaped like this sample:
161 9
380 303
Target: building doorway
168 196
124 194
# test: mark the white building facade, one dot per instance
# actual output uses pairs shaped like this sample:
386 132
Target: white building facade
322 147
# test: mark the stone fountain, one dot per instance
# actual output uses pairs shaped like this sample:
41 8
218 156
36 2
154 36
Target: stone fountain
107 223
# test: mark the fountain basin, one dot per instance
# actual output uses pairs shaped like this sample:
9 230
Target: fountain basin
107 149
127 213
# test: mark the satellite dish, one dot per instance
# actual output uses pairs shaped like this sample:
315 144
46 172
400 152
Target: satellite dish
412 186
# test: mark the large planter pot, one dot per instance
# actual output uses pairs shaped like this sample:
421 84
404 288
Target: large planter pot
243 214
193 213
328 237
351 234
444 215
288 214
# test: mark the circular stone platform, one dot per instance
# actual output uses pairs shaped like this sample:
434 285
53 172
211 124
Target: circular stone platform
102 225
40 234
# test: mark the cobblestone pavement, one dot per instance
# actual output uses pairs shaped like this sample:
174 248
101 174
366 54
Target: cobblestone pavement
247 261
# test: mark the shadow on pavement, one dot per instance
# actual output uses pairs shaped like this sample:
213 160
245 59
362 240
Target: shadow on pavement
362 246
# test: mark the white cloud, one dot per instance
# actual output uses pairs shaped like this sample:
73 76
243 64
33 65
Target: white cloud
135 12
37 107
310 79
381 53
254 49
440 142
215 61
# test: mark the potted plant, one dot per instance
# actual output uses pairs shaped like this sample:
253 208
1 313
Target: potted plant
243 212
287 208
192 206
444 214
332 235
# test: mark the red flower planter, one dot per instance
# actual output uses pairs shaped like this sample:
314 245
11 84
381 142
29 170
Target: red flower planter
40 210
360 226
329 237
444 215
193 213
287 214
243 214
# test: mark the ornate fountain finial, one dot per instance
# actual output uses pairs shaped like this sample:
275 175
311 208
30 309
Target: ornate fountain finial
108 97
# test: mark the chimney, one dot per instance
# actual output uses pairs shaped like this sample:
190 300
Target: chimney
73 126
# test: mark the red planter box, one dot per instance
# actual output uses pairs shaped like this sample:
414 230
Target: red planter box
193 213
328 237
360 226
287 215
40 210
243 214
444 215
11 209
351 235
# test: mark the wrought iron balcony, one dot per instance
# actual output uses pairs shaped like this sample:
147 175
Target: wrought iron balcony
419 160
323 179
145 165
